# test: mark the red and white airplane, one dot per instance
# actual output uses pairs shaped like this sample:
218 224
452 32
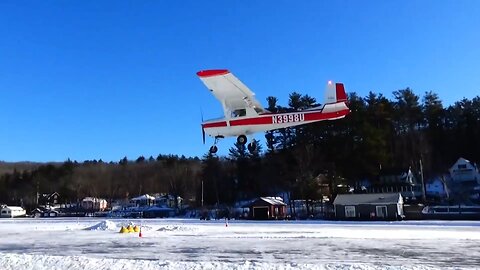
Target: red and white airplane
244 115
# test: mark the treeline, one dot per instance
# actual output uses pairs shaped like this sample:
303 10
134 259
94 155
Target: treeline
115 180
308 162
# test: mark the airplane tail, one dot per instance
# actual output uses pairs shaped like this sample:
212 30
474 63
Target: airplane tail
335 93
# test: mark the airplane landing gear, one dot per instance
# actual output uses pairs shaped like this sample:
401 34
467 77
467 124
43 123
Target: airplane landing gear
213 149
242 139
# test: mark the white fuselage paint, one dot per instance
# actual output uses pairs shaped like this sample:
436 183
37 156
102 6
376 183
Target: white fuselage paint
276 121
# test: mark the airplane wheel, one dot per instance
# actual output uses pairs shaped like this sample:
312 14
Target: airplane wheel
242 139
213 149
252 147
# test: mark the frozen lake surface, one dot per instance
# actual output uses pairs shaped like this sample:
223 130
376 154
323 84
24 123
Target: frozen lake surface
92 243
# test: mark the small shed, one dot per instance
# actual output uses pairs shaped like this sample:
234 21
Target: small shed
370 206
12 211
267 208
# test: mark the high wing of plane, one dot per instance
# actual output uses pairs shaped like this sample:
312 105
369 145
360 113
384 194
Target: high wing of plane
230 91
244 115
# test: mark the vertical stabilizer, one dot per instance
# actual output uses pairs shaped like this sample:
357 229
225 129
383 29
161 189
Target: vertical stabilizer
335 93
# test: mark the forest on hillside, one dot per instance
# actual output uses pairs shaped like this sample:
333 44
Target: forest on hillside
379 133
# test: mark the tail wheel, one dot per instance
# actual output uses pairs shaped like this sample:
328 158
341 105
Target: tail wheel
213 149
242 139
252 147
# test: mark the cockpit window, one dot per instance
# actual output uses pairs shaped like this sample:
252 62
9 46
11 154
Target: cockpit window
238 113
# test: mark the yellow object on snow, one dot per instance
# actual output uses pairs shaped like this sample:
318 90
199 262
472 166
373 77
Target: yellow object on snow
130 228
124 230
136 228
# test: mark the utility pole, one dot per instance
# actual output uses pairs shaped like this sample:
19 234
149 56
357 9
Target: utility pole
445 187
424 195
202 193
38 193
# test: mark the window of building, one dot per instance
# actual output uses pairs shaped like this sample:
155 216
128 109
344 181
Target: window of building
350 211
462 166
381 211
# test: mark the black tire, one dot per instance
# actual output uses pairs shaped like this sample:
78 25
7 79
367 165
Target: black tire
213 149
242 139
252 148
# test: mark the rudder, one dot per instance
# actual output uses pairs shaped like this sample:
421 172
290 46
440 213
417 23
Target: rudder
335 93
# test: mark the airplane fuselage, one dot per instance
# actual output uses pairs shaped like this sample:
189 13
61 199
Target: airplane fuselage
246 125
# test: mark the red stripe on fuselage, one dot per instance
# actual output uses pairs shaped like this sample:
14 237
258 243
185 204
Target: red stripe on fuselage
316 116
262 120
215 124
268 118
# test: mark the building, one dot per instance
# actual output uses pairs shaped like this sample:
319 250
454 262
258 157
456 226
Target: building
49 199
373 206
401 181
169 201
436 188
464 171
267 208
93 204
464 181
12 211
142 201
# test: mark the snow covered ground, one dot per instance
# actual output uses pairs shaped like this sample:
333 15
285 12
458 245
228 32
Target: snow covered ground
89 243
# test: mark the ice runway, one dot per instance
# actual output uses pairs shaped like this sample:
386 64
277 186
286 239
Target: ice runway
193 244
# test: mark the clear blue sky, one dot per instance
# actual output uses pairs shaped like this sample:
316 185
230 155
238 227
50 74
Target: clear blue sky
108 79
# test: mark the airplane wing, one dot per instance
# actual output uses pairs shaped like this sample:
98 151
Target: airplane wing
230 91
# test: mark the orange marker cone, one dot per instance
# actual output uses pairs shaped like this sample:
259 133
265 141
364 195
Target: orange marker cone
140 232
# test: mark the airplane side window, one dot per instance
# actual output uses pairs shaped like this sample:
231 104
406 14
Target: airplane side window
238 113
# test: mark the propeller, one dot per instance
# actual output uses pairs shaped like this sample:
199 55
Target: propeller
203 130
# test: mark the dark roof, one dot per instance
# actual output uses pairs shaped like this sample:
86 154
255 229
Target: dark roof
267 200
368 198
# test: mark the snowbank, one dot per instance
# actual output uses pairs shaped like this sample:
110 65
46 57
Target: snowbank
106 225
45 262
176 228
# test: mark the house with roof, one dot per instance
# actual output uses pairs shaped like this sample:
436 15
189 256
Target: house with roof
168 200
437 188
12 211
463 171
37 212
93 204
465 180
369 206
267 208
397 180
143 200
49 199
